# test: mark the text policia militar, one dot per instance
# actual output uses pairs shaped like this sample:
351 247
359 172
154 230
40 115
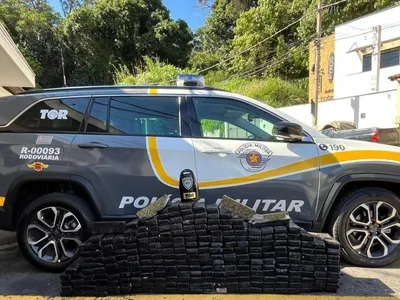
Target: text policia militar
259 204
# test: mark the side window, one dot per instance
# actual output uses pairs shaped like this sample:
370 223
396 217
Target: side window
143 115
230 119
98 116
55 115
136 115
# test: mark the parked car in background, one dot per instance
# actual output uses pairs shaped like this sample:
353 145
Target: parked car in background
362 134
348 130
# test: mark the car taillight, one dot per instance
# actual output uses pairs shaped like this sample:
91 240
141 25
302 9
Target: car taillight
375 137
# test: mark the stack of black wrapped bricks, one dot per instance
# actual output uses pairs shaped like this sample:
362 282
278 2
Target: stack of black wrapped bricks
193 248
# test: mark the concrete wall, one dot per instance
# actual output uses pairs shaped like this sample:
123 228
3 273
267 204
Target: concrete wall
355 39
365 110
301 112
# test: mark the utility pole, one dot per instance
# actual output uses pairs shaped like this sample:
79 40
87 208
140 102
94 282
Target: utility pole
317 62
376 58
63 68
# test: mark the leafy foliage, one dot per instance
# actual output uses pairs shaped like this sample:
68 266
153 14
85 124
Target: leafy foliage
136 42
152 72
33 27
94 35
69 5
272 91
212 125
138 28
233 33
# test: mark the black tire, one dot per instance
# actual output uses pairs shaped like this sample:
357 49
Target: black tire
341 213
69 202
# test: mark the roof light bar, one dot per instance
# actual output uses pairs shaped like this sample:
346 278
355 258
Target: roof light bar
190 80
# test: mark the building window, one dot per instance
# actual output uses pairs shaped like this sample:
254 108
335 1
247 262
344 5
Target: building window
367 63
390 58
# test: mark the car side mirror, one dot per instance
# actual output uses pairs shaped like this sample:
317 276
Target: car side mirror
288 131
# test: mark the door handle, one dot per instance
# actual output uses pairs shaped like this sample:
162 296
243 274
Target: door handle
92 145
216 151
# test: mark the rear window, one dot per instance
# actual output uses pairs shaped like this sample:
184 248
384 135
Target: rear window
55 115
135 115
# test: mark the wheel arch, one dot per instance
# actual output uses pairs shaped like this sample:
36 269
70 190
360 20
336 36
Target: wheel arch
348 183
48 183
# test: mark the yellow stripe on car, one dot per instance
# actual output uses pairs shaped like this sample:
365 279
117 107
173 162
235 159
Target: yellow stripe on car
357 155
156 161
2 200
297 167
153 91
300 166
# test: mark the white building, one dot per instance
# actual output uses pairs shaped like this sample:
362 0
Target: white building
367 52
360 66
15 72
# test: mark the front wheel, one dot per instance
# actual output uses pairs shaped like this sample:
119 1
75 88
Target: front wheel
51 229
366 222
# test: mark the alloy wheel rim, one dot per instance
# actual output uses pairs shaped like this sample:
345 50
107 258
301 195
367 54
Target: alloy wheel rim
373 229
54 234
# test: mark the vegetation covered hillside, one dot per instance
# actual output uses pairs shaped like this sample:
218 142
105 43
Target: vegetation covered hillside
255 47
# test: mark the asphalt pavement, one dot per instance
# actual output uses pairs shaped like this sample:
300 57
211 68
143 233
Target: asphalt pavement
19 277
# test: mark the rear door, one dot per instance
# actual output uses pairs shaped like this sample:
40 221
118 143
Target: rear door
237 155
36 144
132 151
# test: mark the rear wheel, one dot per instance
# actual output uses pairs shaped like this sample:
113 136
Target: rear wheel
51 229
366 222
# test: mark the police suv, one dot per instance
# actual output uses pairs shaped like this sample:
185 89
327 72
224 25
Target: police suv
71 156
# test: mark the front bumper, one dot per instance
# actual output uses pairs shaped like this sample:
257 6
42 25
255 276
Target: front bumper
6 219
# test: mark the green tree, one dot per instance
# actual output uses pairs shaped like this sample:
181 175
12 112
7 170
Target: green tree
259 24
33 27
247 34
336 15
215 37
68 5
110 33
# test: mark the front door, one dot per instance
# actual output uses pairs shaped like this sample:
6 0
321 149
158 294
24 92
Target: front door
236 155
132 151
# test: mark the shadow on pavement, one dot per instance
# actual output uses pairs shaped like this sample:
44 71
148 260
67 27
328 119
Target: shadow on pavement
357 281
19 277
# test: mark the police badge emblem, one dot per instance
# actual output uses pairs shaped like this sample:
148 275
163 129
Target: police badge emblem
253 156
188 187
187 182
